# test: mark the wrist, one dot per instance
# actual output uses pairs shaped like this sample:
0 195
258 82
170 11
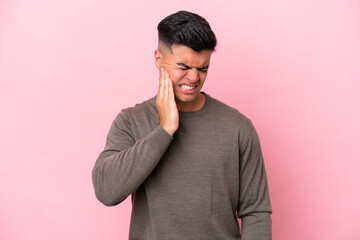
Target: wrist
169 130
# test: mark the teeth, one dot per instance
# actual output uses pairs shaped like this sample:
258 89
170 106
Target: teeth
187 87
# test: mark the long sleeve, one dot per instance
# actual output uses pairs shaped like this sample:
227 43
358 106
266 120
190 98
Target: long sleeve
125 163
254 207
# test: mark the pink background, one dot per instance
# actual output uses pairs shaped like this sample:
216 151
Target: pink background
68 67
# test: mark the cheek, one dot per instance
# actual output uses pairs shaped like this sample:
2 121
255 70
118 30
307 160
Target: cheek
177 76
202 77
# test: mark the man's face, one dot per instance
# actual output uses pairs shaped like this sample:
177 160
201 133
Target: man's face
187 70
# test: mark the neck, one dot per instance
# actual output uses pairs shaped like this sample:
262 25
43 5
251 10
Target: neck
193 106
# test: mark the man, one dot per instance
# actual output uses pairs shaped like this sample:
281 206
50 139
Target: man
191 163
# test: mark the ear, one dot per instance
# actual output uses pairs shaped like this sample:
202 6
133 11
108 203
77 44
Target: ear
158 57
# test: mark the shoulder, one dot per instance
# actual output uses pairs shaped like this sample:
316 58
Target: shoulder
145 108
231 118
141 112
227 113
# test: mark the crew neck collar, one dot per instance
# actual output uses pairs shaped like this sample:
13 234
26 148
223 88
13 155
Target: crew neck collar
197 112
208 99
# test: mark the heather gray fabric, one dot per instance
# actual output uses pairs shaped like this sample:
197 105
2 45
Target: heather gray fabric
193 185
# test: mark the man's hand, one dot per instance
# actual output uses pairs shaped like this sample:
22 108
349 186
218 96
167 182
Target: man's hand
166 105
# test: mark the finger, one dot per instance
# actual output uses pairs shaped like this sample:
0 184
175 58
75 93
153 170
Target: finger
160 76
170 89
161 85
166 86
166 74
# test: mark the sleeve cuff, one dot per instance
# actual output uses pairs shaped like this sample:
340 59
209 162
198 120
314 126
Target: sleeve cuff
159 140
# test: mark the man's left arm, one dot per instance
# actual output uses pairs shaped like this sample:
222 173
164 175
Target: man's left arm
254 207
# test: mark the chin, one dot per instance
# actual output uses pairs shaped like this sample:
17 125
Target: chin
187 98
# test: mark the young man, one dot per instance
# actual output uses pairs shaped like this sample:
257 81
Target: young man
191 163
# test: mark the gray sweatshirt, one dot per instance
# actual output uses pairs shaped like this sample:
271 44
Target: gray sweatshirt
193 185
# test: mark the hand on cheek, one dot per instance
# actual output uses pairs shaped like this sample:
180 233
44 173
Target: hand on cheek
166 105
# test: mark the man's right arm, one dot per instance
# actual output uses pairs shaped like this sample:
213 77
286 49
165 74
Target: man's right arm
125 163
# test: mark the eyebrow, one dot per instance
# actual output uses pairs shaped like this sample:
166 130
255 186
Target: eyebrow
188 67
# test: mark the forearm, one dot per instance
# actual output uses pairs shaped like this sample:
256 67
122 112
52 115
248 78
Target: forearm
254 207
256 226
117 174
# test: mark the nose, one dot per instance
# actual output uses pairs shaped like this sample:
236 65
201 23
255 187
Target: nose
193 75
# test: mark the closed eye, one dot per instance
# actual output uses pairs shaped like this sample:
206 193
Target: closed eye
184 67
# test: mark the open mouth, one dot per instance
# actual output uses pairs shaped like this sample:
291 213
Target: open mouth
188 87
